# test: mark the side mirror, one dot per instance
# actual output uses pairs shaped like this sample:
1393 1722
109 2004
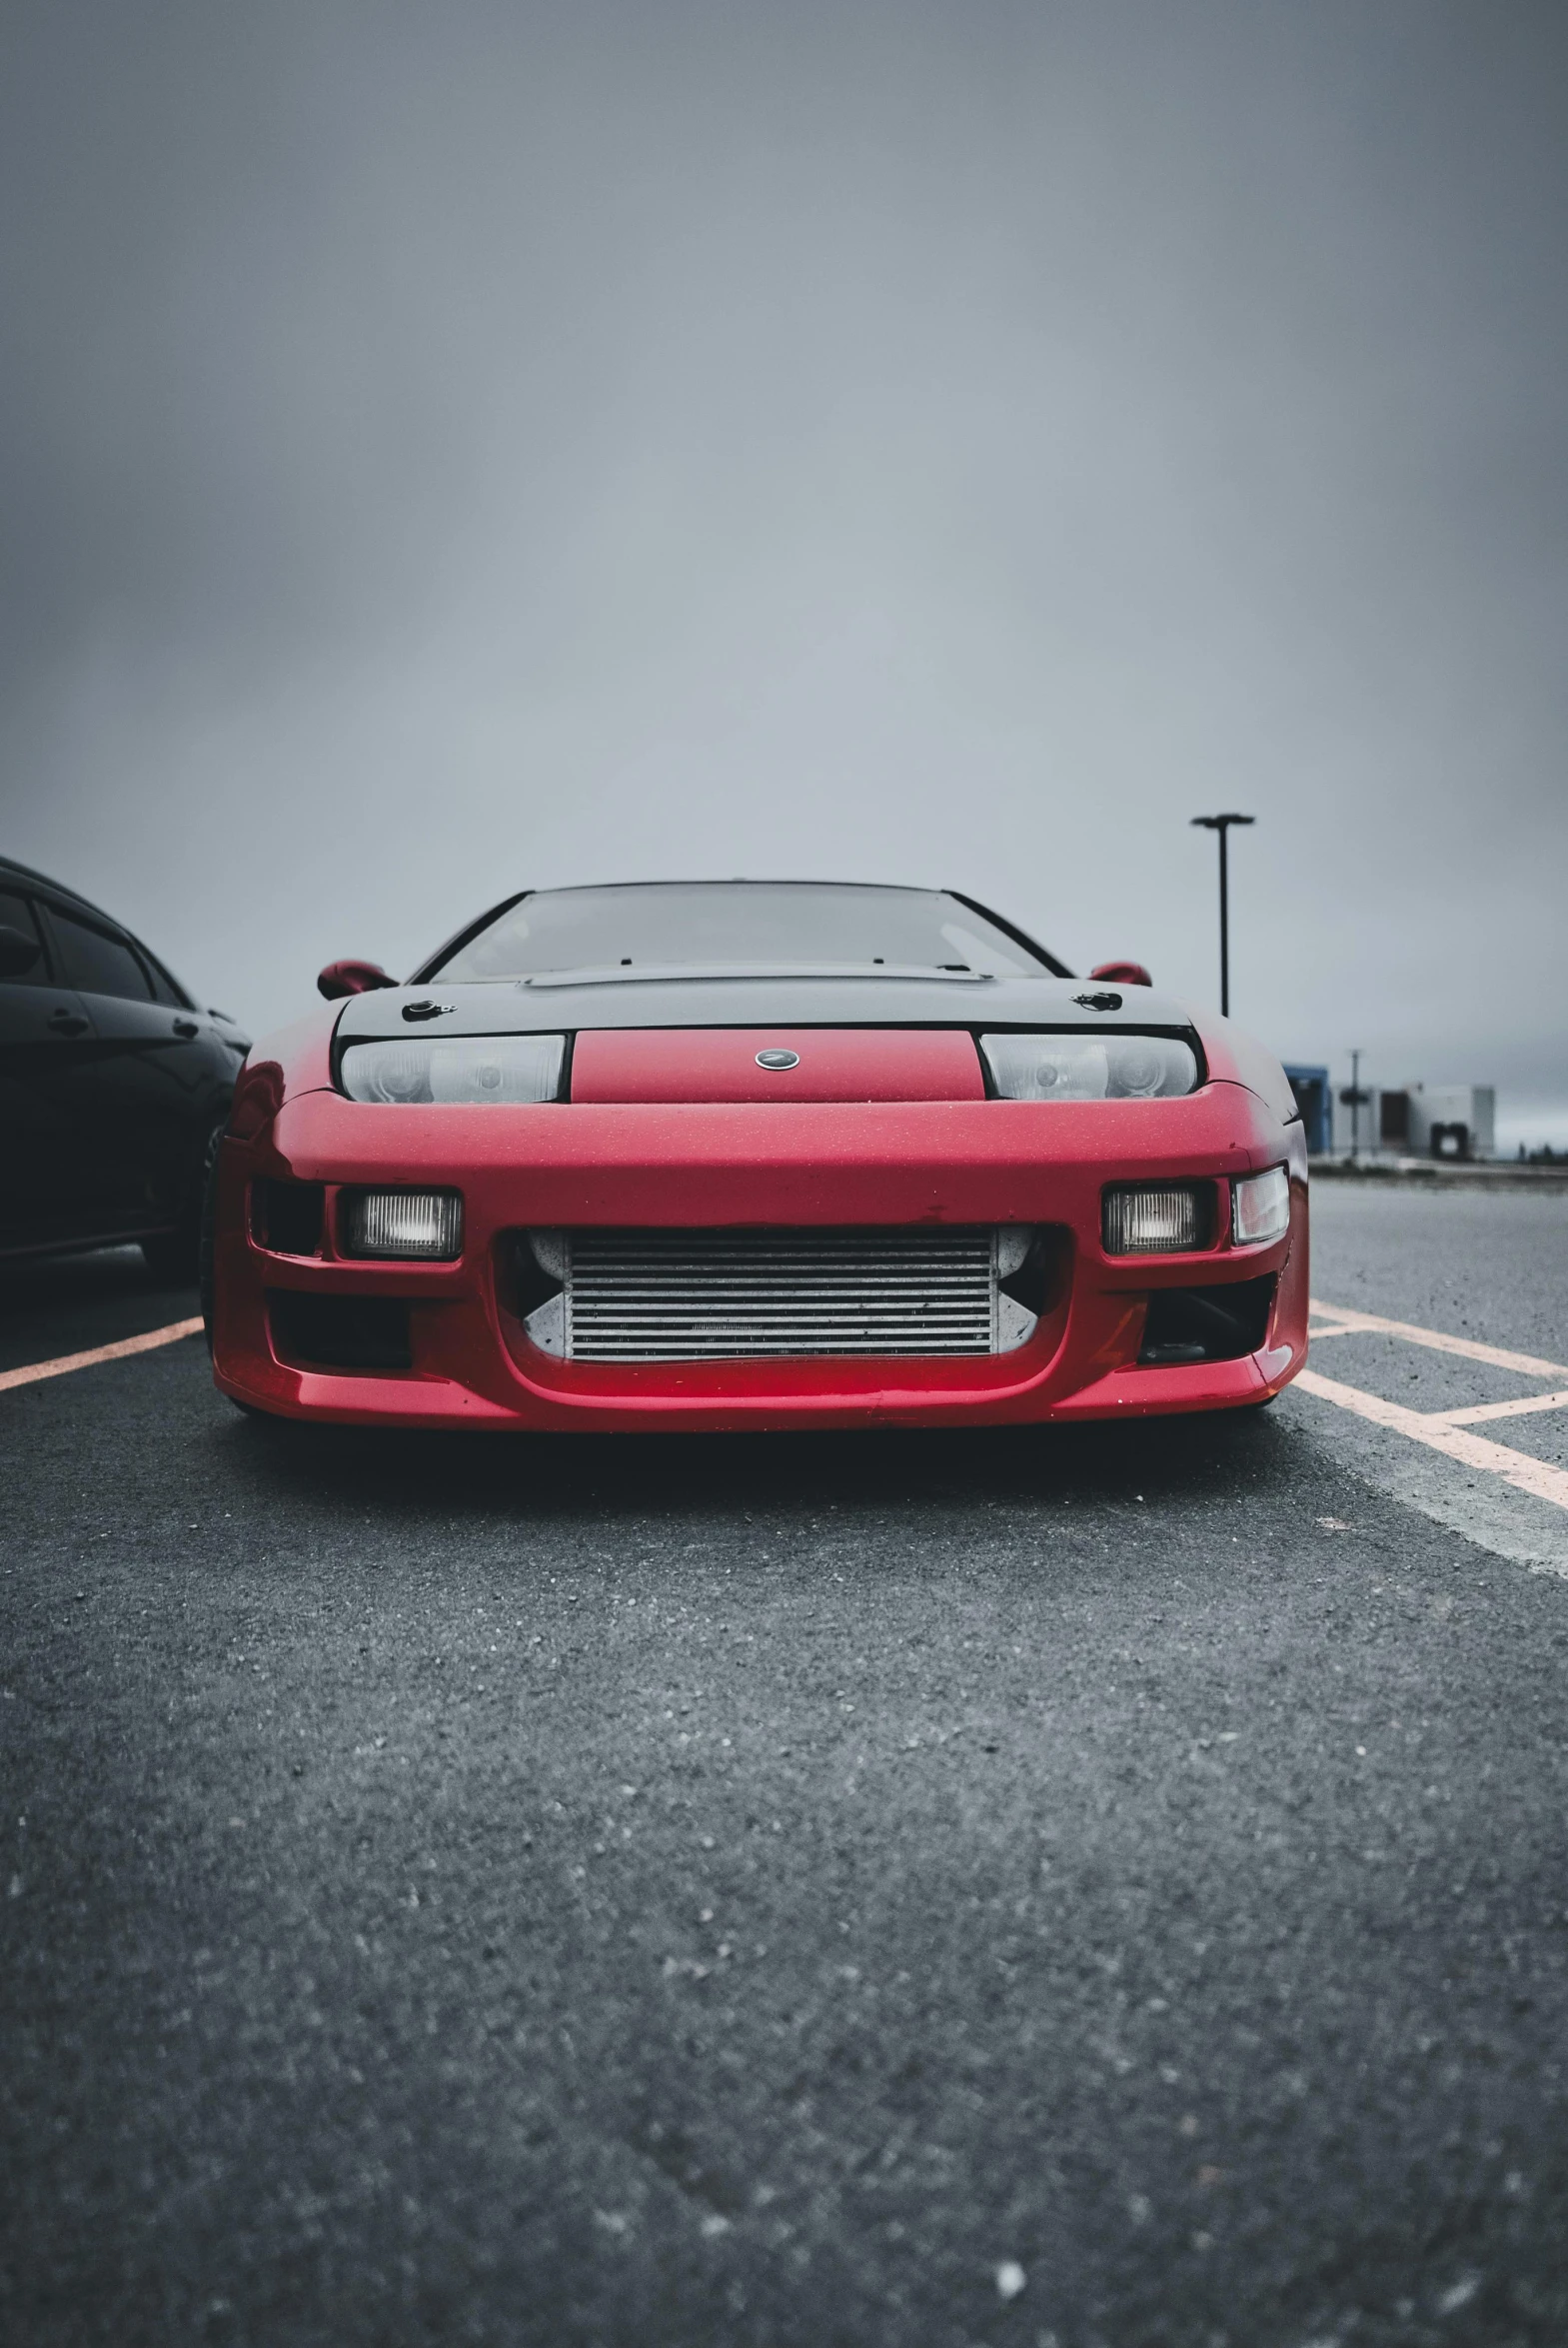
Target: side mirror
18 953
352 978
1126 973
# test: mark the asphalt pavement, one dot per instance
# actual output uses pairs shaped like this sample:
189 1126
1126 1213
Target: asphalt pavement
1078 1890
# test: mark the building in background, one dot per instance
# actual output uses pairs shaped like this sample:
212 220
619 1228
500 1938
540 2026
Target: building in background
1435 1121
1455 1122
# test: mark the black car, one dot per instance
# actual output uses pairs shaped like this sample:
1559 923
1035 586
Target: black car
112 1084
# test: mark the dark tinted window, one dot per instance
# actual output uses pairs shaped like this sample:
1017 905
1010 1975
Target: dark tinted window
739 924
164 987
95 961
17 914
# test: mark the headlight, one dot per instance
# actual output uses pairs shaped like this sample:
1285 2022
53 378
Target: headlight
403 1223
1261 1208
1157 1218
508 1069
1089 1067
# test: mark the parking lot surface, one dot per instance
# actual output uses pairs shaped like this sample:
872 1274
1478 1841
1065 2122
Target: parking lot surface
1079 1889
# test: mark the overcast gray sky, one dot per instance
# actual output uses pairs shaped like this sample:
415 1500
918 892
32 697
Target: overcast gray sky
446 449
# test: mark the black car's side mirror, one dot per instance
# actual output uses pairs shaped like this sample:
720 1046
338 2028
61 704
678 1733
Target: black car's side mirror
352 978
19 954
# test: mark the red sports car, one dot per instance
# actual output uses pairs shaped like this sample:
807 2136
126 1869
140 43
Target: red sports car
720 1155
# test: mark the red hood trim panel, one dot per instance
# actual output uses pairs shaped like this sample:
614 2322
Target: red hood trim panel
614 1066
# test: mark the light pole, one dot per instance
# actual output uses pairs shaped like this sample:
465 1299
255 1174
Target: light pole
1221 825
1355 1100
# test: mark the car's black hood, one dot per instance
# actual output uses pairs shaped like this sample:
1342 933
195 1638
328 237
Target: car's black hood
573 1001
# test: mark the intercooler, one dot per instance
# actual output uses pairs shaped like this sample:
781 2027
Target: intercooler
705 1295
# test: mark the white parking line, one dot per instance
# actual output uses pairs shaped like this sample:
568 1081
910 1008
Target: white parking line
1536 1476
1465 1507
34 1370
1517 1408
1347 1322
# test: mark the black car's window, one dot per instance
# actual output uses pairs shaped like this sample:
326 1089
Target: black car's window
96 963
17 914
164 987
729 924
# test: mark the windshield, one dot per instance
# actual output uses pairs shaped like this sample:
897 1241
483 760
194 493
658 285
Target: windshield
737 925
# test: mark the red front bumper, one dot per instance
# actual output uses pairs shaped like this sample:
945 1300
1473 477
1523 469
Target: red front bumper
710 1165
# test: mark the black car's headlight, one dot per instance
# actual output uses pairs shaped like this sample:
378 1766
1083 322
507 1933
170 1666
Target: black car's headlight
512 1070
1089 1067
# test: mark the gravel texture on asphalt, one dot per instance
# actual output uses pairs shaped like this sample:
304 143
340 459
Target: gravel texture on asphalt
771 1890
1473 1265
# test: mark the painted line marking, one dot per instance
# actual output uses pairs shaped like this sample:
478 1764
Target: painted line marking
1348 1323
1517 1408
1543 1482
115 1353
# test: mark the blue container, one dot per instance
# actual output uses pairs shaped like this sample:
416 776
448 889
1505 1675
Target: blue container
1315 1099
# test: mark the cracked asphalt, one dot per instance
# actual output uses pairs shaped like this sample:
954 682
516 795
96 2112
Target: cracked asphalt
1077 1889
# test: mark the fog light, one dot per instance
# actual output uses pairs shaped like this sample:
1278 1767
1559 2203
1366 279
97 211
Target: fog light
1261 1208
1156 1218
403 1223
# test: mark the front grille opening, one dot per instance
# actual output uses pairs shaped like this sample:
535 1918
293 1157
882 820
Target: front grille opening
287 1217
772 1294
338 1332
1207 1325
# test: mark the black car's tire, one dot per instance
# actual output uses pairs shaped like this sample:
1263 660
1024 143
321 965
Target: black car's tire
180 1257
170 1259
206 1228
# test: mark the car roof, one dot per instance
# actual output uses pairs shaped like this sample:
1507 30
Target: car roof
11 870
